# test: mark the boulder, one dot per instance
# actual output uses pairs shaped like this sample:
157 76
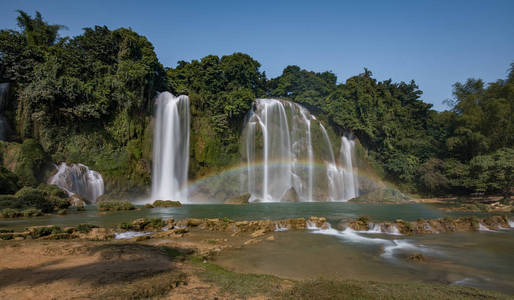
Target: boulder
192 222
77 201
242 199
290 196
384 195
99 234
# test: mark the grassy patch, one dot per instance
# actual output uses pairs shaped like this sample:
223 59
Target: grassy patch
147 288
350 289
238 284
247 285
115 206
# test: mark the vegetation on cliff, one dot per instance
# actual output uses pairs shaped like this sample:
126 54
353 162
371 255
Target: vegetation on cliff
89 99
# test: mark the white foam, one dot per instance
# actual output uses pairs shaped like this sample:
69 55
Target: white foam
481 227
373 228
279 227
390 247
464 281
129 235
511 223
376 228
399 245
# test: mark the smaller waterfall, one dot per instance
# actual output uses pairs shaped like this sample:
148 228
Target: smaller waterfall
349 173
79 179
170 147
4 89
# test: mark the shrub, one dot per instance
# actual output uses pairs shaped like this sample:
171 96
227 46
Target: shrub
32 197
37 232
58 203
157 222
125 226
8 181
52 190
85 228
10 213
32 212
115 206
10 201
166 203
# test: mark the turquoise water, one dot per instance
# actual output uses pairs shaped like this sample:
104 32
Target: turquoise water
334 212
478 259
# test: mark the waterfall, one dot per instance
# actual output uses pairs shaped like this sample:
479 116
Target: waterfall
290 157
79 179
4 89
349 173
170 147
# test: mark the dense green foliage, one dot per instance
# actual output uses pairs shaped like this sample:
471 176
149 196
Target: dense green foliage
84 99
115 206
89 99
221 92
29 201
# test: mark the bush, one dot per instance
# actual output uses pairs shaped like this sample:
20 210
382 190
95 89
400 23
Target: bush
32 197
166 203
32 212
8 181
9 201
52 190
85 228
37 232
157 222
115 206
58 203
10 213
125 226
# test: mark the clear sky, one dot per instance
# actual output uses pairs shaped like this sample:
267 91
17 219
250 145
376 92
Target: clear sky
436 43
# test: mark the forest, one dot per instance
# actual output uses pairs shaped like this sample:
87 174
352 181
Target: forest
89 99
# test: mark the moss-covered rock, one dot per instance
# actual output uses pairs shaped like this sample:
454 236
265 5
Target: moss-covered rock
166 203
383 195
115 206
242 199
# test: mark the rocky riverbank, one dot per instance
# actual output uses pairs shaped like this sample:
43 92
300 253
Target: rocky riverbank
159 228
175 259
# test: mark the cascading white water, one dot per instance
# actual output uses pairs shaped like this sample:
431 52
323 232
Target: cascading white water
79 179
170 147
349 173
4 88
281 158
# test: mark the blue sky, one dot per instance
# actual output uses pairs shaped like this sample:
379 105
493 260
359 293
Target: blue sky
436 43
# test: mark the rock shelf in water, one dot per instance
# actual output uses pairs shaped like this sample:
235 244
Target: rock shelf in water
177 228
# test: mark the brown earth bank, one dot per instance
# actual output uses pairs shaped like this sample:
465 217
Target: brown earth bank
174 261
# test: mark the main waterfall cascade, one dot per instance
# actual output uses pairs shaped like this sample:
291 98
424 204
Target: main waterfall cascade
4 88
290 158
170 147
79 179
